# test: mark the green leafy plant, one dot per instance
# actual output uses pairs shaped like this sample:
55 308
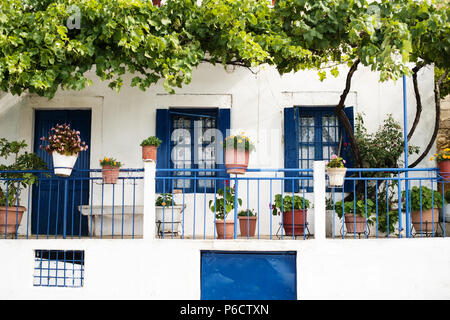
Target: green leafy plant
151 141
289 203
423 198
165 200
224 203
447 196
22 161
64 140
247 213
240 142
360 207
106 161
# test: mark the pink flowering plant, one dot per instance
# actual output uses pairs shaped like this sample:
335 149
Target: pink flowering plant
64 140
335 162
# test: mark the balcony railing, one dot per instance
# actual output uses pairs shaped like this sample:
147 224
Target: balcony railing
189 205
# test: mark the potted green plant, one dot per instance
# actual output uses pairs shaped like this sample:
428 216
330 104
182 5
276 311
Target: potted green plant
355 214
443 162
110 170
247 222
237 153
294 212
14 178
336 171
424 208
149 148
168 213
221 206
64 144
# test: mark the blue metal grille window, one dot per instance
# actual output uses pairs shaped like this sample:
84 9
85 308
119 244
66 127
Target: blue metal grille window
190 140
58 268
312 134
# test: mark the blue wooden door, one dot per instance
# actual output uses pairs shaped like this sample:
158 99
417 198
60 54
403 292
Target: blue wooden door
241 275
56 200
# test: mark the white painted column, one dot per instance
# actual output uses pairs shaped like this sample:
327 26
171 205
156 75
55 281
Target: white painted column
319 200
149 199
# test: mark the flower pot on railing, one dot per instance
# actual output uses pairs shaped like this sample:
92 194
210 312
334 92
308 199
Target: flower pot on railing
425 221
354 223
10 218
294 213
64 144
336 171
294 222
149 148
63 164
225 230
443 161
110 170
237 153
247 223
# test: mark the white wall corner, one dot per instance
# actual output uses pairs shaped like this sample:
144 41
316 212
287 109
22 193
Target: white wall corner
319 200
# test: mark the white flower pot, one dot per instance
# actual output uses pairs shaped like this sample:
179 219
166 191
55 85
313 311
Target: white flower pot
336 176
63 164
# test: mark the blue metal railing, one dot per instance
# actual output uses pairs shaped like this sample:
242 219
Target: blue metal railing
388 203
78 206
253 192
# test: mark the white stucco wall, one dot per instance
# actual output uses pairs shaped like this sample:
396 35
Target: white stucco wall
170 269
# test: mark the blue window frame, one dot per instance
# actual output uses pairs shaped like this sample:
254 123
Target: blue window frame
312 134
189 142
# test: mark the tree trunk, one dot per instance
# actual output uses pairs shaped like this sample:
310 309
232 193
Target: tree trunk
343 119
437 100
418 99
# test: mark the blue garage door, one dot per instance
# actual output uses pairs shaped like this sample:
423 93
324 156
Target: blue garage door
241 275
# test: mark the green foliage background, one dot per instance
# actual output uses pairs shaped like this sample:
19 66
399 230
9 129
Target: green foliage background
40 54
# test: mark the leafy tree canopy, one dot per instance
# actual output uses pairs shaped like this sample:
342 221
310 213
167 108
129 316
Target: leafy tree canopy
41 50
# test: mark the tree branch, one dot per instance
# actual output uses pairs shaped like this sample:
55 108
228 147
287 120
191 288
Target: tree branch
418 99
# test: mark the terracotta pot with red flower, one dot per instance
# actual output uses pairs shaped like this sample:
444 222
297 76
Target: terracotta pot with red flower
237 153
443 162
221 206
294 212
149 148
110 170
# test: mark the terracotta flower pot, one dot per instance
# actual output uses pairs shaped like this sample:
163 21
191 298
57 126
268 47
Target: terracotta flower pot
228 228
336 176
428 217
149 153
110 174
247 226
444 169
296 229
63 164
354 223
10 217
238 159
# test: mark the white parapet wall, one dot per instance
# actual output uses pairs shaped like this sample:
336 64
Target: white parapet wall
170 269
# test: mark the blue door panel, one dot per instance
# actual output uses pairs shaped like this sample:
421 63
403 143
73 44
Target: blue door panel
248 275
55 200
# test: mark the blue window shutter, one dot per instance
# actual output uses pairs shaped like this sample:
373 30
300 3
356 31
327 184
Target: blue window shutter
163 158
290 148
223 124
347 149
